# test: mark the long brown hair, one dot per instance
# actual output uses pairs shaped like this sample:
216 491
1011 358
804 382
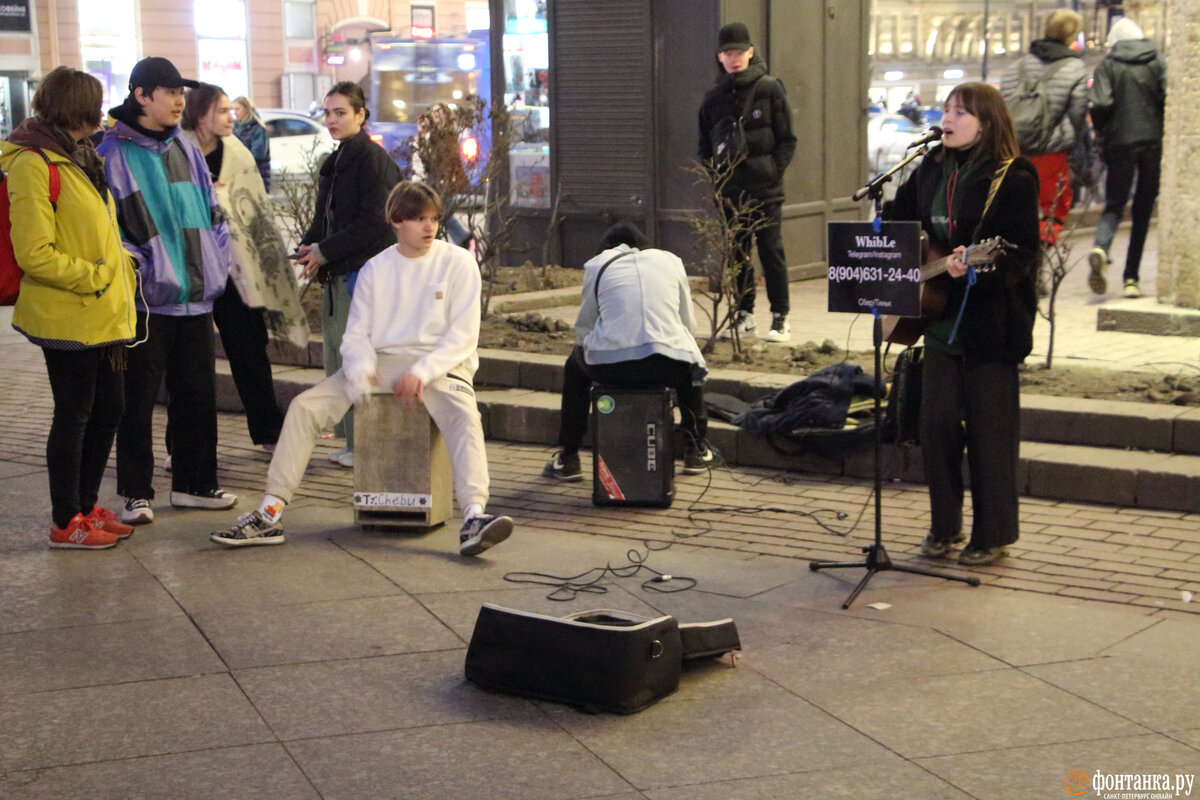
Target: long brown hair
996 136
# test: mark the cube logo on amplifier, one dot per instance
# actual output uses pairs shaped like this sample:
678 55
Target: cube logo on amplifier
633 461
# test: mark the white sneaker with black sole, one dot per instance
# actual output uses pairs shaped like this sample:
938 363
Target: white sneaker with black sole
250 530
137 511
780 331
215 499
480 533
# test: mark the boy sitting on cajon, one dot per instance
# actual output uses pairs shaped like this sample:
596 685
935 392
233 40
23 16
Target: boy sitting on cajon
414 328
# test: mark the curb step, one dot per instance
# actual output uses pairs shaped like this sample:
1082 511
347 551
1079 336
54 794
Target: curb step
1139 455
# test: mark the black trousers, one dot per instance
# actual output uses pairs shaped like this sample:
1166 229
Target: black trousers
976 406
89 396
651 372
244 336
181 350
770 254
1124 163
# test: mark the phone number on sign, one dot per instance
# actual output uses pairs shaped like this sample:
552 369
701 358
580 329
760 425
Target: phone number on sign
863 274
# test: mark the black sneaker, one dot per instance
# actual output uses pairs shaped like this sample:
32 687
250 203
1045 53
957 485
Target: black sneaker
250 529
480 533
564 467
697 458
210 498
938 548
981 557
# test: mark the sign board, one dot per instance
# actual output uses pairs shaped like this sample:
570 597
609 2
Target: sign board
14 16
875 270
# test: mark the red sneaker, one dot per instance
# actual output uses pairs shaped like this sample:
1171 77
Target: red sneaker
82 533
110 522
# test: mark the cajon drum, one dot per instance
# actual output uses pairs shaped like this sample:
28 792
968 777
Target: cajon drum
402 475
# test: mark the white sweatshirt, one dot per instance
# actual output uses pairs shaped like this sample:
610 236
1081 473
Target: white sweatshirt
426 307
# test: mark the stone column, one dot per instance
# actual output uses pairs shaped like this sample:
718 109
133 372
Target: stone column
1179 200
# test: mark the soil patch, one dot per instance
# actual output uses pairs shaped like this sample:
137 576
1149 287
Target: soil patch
533 333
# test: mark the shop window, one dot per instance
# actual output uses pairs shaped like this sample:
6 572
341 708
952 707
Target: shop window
527 97
221 45
298 20
108 44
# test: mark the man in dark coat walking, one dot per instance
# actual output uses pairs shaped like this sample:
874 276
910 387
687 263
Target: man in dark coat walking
1128 96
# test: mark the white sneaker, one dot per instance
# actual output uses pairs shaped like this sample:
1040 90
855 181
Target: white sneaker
743 323
336 455
780 331
137 511
346 459
213 498
1098 263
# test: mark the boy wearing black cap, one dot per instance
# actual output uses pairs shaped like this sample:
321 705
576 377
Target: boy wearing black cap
171 222
745 92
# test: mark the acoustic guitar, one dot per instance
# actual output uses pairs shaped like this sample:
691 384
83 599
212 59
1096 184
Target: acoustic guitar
935 288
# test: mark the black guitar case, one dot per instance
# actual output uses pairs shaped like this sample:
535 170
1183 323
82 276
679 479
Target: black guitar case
600 660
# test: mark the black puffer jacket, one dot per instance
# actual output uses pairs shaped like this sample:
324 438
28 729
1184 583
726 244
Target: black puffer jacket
997 324
768 127
1129 93
349 226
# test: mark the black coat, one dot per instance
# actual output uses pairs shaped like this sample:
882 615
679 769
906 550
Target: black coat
768 127
349 225
997 324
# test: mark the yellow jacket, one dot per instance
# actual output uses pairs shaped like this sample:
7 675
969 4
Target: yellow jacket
79 282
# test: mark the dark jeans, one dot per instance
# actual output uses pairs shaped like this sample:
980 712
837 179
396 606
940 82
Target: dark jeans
770 255
244 336
181 348
650 372
986 397
1123 163
89 396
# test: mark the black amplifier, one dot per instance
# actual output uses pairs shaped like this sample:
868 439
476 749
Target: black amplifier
633 454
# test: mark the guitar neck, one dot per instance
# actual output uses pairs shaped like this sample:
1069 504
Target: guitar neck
934 268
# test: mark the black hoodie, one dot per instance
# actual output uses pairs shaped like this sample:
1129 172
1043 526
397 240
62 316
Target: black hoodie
768 127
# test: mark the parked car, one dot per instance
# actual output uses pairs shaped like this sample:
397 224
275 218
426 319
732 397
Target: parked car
888 137
296 139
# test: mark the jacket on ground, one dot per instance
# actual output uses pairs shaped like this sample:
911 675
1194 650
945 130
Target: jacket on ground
170 220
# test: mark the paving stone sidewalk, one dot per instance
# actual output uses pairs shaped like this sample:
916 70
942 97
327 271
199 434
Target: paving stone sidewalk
332 667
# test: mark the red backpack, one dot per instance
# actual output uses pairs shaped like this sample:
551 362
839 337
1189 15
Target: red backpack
10 273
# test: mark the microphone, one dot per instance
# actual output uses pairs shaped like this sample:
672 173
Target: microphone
932 135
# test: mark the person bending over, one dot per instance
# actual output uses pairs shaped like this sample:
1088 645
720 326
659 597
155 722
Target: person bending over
413 330
634 329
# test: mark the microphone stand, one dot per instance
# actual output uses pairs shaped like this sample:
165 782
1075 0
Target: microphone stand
877 557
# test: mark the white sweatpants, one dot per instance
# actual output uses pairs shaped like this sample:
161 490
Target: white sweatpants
450 402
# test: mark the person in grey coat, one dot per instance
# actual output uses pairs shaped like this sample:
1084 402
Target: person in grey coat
1066 89
1128 97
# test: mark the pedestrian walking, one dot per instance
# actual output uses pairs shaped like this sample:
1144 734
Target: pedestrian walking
250 131
1128 98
